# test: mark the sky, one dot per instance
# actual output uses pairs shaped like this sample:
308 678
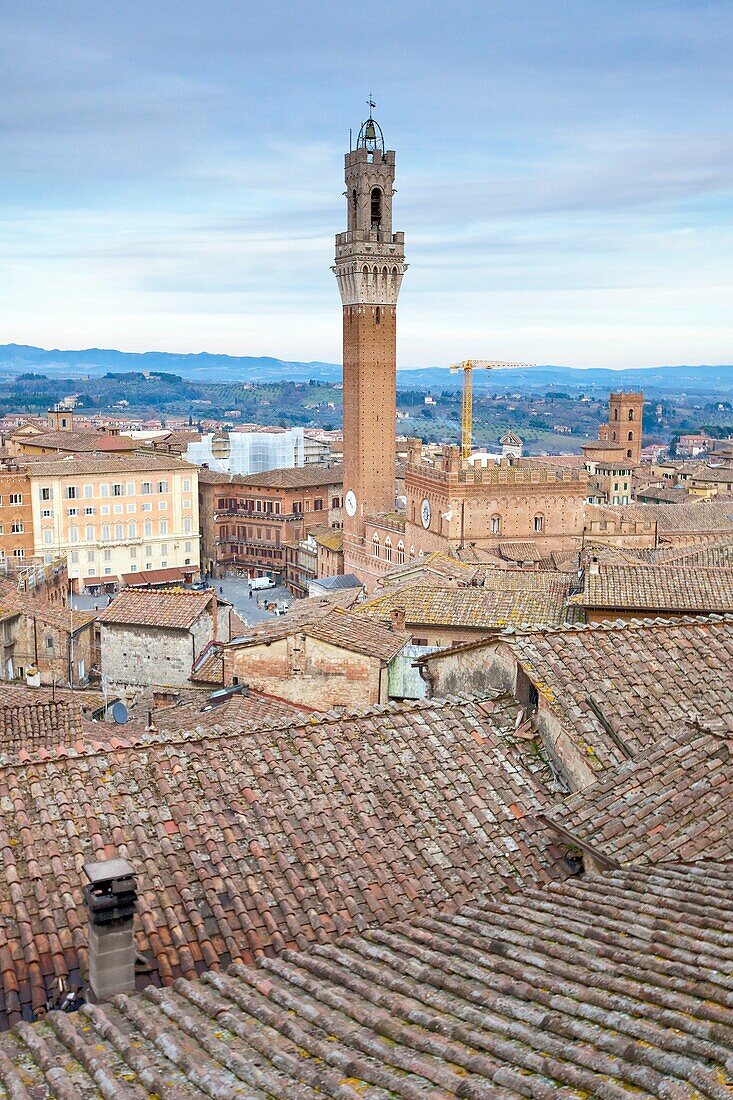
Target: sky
171 175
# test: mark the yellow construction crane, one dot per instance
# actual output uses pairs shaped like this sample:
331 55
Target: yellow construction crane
468 366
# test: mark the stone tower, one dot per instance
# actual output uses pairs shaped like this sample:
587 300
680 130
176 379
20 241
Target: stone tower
624 423
370 263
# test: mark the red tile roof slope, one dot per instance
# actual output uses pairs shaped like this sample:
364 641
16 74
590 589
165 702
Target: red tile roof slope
644 676
672 803
605 987
166 609
292 835
529 598
658 588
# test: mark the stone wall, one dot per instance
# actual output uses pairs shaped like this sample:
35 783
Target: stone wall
143 656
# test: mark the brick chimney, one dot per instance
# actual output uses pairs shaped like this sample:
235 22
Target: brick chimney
110 901
397 617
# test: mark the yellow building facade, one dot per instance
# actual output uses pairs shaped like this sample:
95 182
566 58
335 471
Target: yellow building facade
109 515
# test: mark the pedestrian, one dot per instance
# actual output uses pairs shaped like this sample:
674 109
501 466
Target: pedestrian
221 590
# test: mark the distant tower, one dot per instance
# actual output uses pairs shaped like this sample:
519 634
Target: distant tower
370 263
624 424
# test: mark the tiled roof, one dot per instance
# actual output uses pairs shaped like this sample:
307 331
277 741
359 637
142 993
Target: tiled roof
357 633
296 834
173 574
72 465
673 802
657 588
237 713
702 515
80 441
519 551
713 555
168 609
296 477
301 614
606 987
642 676
329 537
36 725
526 598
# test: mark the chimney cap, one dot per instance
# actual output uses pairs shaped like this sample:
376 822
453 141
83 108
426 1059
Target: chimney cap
107 870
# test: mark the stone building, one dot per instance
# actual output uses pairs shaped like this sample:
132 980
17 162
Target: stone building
153 639
610 472
44 644
452 504
369 266
247 522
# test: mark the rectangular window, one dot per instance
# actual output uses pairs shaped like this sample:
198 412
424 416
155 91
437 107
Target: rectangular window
162 486
16 498
47 494
318 505
104 510
131 488
104 490
162 505
146 487
47 513
133 567
148 565
74 557
185 504
164 547
73 511
187 485
148 554
108 555
118 490
148 528
147 507
187 547
133 551
73 534
89 533
107 570
105 532
91 555
89 510
16 528
118 509
88 492
297 507
164 527
48 536
132 507
118 531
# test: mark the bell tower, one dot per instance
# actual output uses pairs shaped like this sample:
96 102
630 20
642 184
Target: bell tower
370 263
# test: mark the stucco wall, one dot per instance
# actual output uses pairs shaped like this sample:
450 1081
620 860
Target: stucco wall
308 671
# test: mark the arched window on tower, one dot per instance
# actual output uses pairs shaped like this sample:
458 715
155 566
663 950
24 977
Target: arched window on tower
375 544
629 454
613 436
400 553
376 209
631 437
615 414
631 414
496 525
539 523
388 548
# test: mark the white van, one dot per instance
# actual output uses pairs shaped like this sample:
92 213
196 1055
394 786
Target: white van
257 583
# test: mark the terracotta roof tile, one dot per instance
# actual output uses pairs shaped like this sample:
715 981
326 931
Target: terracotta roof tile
506 598
296 477
299 833
605 987
170 610
670 587
672 803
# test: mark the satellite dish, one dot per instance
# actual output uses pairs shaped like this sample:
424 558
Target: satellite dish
119 713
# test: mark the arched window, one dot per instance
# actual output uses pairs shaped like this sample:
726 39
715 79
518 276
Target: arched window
496 525
412 549
375 544
613 436
631 414
629 455
388 548
539 523
400 553
631 437
615 414
376 208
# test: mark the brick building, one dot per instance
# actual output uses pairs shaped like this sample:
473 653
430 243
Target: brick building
46 644
16 515
337 660
248 521
453 504
624 424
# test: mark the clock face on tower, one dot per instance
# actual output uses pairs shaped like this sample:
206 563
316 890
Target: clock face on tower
425 513
350 503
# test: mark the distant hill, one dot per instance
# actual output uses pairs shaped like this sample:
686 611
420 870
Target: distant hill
204 367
